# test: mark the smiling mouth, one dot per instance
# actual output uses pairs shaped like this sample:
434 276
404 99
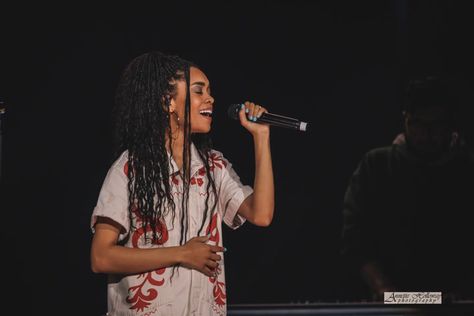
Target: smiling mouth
207 113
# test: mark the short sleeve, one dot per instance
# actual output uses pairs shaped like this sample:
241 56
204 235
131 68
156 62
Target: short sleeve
231 195
113 197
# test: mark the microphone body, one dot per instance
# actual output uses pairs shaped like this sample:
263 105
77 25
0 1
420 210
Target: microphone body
271 119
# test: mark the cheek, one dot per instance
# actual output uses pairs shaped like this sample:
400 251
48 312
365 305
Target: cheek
199 124
196 122
194 118
196 100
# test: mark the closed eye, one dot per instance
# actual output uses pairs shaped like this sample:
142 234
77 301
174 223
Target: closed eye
199 86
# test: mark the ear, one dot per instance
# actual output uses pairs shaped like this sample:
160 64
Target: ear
172 104
172 107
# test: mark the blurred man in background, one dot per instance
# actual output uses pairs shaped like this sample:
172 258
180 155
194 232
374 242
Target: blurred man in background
408 207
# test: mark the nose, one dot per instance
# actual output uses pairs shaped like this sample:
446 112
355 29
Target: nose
210 100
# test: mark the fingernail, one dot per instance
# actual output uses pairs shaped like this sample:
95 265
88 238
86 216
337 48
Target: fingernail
246 110
250 118
254 118
242 106
225 249
208 235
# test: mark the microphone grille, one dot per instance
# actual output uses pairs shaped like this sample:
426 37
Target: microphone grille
233 111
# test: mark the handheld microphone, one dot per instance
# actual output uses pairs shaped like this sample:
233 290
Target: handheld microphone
271 119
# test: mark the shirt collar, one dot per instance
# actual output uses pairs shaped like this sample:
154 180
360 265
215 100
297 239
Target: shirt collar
196 162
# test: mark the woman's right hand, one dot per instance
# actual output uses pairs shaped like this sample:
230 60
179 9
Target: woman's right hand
200 256
248 114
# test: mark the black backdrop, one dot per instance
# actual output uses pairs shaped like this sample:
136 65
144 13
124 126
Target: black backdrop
338 65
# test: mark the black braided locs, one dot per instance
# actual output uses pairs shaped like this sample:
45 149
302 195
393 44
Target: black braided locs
142 123
204 146
186 162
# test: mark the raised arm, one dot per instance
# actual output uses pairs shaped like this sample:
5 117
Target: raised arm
258 207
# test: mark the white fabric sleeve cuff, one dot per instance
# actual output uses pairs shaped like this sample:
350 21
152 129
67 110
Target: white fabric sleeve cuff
231 217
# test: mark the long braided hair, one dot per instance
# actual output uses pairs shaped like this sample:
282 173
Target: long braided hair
142 120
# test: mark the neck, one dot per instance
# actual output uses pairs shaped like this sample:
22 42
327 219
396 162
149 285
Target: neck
175 145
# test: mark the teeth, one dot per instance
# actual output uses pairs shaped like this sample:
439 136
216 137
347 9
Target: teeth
206 112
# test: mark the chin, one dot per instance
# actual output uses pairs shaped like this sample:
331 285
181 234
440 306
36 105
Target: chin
202 130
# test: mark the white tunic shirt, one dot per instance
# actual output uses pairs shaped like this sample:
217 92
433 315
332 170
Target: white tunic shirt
188 292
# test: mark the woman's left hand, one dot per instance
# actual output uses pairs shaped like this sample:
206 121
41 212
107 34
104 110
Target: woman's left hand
248 114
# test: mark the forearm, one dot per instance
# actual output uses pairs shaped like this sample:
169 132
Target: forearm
123 260
263 197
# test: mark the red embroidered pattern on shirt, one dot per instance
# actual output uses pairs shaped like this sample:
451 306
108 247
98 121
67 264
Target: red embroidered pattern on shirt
150 312
215 160
125 168
218 291
212 229
198 181
138 296
162 230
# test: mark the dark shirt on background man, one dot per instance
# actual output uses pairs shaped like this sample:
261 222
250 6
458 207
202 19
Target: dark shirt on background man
408 208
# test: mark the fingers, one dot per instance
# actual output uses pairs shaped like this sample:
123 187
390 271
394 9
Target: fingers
217 249
243 115
212 264
210 268
257 112
253 111
202 256
207 271
215 257
202 239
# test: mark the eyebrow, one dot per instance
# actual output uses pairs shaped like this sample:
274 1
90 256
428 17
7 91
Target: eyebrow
199 83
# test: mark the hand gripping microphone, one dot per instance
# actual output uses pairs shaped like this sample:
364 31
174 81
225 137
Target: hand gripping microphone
271 119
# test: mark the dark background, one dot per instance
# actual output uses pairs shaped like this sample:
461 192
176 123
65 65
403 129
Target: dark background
340 65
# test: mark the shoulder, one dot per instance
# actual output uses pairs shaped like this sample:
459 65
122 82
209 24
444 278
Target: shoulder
120 165
221 167
217 158
380 158
379 154
216 153
381 151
